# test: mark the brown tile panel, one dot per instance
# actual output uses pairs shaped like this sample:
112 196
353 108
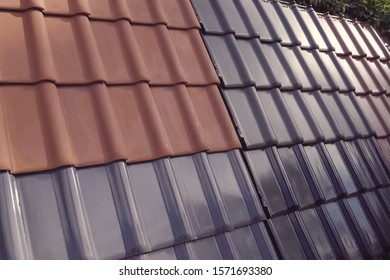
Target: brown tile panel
174 13
44 126
77 50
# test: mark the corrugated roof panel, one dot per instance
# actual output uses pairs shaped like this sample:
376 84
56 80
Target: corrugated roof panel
46 132
250 242
174 13
104 212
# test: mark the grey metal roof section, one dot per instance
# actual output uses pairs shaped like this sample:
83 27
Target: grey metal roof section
245 243
117 210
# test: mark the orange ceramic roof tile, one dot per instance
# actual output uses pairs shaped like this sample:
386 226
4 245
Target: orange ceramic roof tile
173 13
94 81
44 126
77 50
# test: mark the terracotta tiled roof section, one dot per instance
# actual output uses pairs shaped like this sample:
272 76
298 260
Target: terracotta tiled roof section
173 13
82 84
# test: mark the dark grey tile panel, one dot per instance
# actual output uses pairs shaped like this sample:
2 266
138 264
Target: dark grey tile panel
269 181
240 62
295 177
383 146
307 124
323 115
339 231
374 115
379 70
316 235
276 22
318 65
362 227
357 165
262 117
282 66
329 34
341 115
341 32
312 24
288 241
376 42
378 169
228 60
378 215
116 211
352 28
293 23
318 174
245 243
338 162
355 112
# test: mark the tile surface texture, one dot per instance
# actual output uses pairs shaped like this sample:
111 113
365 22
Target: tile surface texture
178 129
309 96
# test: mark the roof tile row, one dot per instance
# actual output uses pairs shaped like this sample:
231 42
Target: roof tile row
44 126
351 228
289 24
118 210
173 13
88 51
298 177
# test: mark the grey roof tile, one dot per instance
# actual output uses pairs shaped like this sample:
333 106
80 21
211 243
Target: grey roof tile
117 210
375 43
276 22
339 231
301 235
375 115
384 197
336 160
262 117
249 242
377 214
383 146
240 62
312 24
344 44
354 32
326 121
362 227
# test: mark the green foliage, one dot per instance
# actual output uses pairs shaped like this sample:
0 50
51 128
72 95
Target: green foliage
376 12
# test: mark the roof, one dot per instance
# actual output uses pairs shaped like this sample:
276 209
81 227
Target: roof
160 130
